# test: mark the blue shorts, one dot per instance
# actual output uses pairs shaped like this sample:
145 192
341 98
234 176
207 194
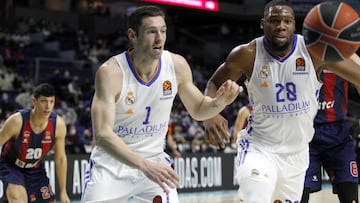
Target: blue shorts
34 180
333 149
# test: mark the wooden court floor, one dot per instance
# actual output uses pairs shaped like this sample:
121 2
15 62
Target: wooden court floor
324 196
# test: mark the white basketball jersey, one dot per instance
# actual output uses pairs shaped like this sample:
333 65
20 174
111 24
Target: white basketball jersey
143 109
284 94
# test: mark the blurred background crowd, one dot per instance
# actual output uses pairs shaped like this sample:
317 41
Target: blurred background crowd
42 41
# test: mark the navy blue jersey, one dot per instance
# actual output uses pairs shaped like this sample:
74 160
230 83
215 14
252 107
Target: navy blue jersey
29 148
332 148
333 98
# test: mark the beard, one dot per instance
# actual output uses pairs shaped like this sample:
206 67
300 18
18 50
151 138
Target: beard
280 48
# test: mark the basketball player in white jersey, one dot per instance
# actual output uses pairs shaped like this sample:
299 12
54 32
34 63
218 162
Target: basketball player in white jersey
283 87
134 93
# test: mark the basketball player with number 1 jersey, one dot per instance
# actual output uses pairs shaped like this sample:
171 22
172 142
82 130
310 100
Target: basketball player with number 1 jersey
134 94
141 122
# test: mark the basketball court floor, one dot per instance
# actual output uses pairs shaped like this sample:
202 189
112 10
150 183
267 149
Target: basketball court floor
230 196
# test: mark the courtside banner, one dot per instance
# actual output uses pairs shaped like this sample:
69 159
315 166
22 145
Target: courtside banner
205 172
197 172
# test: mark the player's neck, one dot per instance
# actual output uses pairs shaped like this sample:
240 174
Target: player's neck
281 54
277 52
145 67
37 122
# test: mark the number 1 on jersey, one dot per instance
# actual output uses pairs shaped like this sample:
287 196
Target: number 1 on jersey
146 121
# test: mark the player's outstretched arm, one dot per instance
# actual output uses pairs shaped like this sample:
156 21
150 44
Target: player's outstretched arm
348 69
199 106
356 59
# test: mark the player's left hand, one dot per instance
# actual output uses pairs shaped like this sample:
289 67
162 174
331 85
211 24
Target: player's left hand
161 174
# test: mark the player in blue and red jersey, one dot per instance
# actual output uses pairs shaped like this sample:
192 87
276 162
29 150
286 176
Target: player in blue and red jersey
27 136
332 147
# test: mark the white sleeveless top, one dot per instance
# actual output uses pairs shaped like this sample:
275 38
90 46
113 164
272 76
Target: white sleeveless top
143 109
284 95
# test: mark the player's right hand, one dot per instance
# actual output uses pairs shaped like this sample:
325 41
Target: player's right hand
217 131
162 174
227 92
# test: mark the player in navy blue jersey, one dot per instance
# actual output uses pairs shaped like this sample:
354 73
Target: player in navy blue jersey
26 137
332 147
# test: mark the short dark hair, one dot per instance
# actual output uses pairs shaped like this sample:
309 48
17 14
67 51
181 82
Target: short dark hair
135 18
44 89
277 3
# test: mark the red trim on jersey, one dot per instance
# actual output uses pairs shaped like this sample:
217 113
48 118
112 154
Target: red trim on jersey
329 86
47 138
7 148
345 98
25 141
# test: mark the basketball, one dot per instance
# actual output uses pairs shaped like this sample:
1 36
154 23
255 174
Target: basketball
332 31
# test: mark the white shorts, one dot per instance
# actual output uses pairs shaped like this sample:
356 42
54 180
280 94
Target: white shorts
265 177
108 180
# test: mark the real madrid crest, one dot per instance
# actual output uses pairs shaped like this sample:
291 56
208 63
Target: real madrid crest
264 72
130 98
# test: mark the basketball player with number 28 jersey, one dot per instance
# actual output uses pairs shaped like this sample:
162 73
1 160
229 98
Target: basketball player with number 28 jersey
283 87
286 99
134 94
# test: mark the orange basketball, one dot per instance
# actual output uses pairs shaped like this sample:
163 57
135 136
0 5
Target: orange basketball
332 31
